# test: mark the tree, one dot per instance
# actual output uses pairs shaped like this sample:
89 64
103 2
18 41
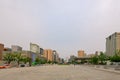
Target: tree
94 60
43 61
115 58
102 58
25 59
9 57
117 52
30 61
18 58
37 60
49 62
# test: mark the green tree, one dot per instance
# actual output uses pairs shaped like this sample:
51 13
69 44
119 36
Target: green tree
9 57
102 58
25 59
43 61
49 62
94 60
37 60
18 58
115 58
117 52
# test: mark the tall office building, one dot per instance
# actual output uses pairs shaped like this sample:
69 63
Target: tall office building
1 50
56 56
41 51
81 53
34 48
112 43
48 54
16 48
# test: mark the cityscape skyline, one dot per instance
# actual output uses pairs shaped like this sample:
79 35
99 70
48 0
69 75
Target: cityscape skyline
64 25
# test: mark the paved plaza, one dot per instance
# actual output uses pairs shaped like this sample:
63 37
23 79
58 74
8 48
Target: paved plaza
57 72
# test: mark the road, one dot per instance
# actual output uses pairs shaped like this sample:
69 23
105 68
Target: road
57 72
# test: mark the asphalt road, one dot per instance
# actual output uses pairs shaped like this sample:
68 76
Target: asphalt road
57 72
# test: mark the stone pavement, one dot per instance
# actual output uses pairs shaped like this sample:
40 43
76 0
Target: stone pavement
57 72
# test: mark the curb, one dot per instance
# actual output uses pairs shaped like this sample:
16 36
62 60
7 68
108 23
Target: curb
108 70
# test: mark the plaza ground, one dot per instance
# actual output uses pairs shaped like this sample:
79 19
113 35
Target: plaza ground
57 72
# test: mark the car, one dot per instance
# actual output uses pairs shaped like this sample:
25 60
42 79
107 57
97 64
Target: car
5 66
22 65
2 67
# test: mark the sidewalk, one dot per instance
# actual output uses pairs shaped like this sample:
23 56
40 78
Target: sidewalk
112 70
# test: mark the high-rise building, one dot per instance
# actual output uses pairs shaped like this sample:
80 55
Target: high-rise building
34 48
1 50
81 53
112 43
48 54
16 48
41 51
56 56
45 55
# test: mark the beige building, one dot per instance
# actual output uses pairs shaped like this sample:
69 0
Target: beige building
112 43
81 53
48 54
1 50
91 55
16 48
29 54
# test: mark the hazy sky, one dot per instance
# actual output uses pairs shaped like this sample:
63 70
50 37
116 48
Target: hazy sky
64 25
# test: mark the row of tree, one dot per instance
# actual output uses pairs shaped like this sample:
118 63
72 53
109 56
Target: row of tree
99 59
43 61
102 58
16 57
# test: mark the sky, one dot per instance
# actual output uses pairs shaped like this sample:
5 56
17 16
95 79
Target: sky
62 25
